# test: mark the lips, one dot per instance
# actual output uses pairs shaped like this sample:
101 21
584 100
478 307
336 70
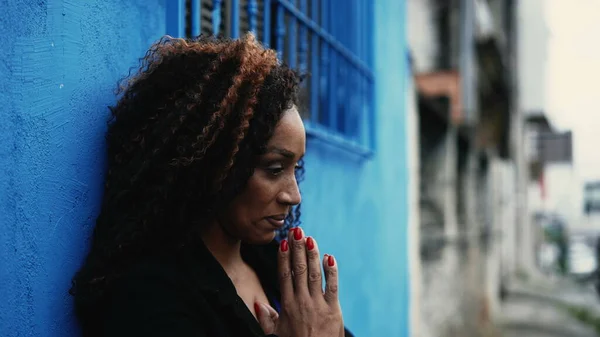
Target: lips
276 220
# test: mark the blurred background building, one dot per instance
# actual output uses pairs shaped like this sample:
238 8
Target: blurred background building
441 170
462 53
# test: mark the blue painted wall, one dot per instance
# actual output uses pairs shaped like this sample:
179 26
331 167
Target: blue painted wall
60 66
357 208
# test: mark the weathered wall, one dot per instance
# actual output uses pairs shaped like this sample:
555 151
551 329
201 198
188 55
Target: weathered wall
423 35
414 216
357 207
453 291
61 62
451 295
532 46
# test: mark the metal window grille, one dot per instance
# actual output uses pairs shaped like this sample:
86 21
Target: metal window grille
328 39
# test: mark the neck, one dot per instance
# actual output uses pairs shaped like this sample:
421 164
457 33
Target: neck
224 247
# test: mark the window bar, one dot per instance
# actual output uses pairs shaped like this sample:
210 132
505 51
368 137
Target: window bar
362 30
366 133
353 34
352 106
325 59
280 31
337 16
341 9
358 18
362 86
314 65
325 35
369 30
235 19
252 12
363 113
196 17
342 98
303 39
267 23
372 118
353 89
176 18
216 16
333 71
292 43
342 80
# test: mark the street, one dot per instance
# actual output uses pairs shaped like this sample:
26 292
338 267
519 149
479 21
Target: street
544 308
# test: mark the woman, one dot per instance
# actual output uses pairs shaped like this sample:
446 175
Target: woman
204 153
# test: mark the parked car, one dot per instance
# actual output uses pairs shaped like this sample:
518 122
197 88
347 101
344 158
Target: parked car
582 261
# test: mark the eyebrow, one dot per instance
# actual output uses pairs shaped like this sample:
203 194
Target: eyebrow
283 152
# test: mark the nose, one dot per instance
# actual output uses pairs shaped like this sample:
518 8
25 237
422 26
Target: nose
290 194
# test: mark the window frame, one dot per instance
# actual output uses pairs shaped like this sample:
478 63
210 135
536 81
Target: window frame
339 93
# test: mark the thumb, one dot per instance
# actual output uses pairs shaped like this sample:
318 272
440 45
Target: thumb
267 317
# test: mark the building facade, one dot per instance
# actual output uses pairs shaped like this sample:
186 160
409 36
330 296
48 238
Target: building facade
461 51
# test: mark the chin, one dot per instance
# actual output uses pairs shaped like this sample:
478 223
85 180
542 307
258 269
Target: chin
263 239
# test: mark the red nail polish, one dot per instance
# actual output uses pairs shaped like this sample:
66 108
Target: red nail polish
298 234
256 309
330 261
310 243
284 246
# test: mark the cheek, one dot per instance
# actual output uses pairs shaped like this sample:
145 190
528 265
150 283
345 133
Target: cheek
260 190
254 200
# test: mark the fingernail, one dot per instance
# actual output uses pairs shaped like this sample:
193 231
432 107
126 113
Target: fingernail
256 308
298 234
310 243
330 261
284 246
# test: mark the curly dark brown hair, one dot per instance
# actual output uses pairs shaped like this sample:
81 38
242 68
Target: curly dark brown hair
182 142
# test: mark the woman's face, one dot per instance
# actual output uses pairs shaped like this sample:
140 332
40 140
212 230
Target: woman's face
261 208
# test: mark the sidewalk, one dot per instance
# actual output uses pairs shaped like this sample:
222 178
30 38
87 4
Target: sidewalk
541 307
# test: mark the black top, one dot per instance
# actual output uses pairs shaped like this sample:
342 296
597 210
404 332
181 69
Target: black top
188 294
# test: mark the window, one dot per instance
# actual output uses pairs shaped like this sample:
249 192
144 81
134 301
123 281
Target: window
329 40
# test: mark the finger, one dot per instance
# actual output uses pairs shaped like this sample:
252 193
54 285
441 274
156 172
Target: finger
267 317
299 267
285 272
331 279
272 312
315 278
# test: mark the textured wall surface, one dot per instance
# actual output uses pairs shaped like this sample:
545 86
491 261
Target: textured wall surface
60 64
357 208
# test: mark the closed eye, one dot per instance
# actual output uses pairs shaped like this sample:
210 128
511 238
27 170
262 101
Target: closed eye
275 169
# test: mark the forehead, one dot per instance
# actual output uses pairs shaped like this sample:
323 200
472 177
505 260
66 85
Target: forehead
289 133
